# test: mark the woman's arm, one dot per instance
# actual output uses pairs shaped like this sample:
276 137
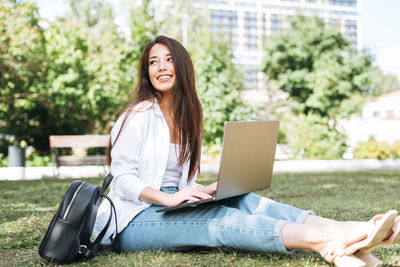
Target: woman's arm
152 195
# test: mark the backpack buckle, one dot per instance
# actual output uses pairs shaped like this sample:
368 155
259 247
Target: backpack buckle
83 250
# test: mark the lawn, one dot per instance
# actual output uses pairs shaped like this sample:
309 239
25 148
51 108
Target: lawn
26 208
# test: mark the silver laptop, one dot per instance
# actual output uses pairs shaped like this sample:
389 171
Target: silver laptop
247 160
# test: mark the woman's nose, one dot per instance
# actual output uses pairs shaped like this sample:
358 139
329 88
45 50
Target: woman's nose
162 65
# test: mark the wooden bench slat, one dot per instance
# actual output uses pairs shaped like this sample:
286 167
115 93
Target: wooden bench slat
78 141
85 160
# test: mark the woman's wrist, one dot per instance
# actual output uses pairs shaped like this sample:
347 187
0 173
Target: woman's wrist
152 195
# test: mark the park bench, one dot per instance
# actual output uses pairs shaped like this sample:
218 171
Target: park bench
80 142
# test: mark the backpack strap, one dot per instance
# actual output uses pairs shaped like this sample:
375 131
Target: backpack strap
96 246
106 182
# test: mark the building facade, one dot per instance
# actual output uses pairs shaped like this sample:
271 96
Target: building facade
380 120
385 107
250 23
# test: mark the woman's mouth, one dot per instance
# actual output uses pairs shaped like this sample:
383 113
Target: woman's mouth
164 77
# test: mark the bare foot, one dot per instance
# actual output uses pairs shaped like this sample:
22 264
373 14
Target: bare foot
340 235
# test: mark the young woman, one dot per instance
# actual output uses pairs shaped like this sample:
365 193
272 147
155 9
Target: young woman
154 155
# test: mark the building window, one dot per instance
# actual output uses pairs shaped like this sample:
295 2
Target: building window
276 23
376 114
347 3
245 4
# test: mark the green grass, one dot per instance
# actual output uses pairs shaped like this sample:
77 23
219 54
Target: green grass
26 208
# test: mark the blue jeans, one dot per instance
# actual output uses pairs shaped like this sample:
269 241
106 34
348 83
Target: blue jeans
248 222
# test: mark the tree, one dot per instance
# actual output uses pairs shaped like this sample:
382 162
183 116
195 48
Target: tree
315 65
143 27
22 68
383 83
311 137
324 79
67 79
86 82
219 84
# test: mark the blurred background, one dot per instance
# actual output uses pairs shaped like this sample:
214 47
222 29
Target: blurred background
327 69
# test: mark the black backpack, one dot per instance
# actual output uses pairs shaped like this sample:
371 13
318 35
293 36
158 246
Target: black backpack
67 238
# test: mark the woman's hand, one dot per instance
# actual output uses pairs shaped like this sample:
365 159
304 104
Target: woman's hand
210 189
186 194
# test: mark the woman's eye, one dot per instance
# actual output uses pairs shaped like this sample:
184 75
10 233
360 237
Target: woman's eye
170 59
152 62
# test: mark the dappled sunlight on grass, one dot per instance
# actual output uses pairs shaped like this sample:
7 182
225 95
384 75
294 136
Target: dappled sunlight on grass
330 186
22 233
383 180
12 211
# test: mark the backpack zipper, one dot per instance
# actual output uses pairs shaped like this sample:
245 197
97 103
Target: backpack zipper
72 200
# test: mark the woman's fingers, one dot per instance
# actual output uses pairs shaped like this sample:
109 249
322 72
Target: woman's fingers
199 195
202 195
186 194
195 193
193 199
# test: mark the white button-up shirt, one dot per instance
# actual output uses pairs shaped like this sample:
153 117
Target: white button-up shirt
139 159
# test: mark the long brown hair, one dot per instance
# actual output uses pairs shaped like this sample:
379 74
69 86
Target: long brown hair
186 106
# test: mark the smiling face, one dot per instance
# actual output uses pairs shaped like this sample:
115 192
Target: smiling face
161 68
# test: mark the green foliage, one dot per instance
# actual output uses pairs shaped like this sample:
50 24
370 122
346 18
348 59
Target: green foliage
282 137
395 150
71 78
316 67
383 83
83 80
219 81
311 137
373 149
325 81
34 160
95 14
219 86
4 143
3 160
143 28
22 66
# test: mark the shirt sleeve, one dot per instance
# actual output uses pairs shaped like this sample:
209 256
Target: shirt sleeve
125 155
